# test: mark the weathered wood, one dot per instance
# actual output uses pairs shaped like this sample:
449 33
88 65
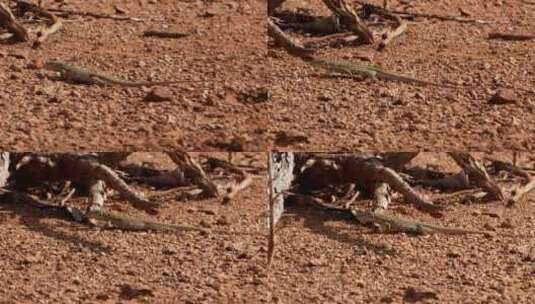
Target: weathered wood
4 168
7 20
477 174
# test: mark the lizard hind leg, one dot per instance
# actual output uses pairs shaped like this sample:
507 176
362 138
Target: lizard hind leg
99 81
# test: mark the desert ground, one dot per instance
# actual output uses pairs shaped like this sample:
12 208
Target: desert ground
220 105
327 113
325 257
48 258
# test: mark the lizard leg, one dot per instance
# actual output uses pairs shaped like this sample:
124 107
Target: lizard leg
97 80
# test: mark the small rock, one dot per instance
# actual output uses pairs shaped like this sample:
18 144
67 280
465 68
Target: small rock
205 224
503 96
223 221
387 299
365 55
493 213
314 263
453 254
412 295
506 224
284 138
129 293
158 94
489 227
169 251
527 253
119 10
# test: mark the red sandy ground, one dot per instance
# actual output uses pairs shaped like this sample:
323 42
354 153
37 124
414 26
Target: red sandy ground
326 258
45 258
224 61
336 113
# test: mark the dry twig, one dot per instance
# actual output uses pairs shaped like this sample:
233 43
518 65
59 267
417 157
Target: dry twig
477 175
54 25
7 20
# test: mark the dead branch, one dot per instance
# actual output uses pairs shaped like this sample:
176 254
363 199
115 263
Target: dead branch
349 17
477 175
370 172
7 20
54 23
381 196
520 193
83 169
511 167
292 47
412 15
390 35
4 168
271 221
512 36
233 188
194 171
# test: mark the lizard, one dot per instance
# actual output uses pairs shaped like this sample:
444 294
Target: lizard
375 72
351 68
81 75
124 221
395 223
392 222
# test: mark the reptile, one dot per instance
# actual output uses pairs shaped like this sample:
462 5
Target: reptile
81 75
395 223
353 69
126 222
392 222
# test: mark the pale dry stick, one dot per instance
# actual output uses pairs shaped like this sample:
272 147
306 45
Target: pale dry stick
233 189
389 176
390 35
381 196
194 171
350 18
43 33
477 174
4 168
292 47
67 197
521 192
7 20
271 202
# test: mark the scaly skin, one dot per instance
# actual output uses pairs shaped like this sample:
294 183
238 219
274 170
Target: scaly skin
124 221
347 67
80 75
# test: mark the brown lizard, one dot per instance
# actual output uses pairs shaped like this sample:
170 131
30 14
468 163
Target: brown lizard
124 221
354 69
392 222
395 223
81 75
